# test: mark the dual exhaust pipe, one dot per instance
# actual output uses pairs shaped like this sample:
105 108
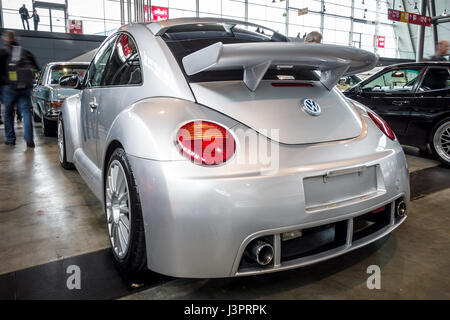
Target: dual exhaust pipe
261 252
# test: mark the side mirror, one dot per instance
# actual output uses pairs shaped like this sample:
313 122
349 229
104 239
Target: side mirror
69 81
366 90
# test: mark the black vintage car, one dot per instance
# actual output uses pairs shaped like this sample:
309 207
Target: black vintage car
414 99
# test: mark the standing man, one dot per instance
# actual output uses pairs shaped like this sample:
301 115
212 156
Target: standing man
441 51
20 68
36 19
23 11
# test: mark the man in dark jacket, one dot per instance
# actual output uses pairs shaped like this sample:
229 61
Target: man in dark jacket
36 19
17 66
23 11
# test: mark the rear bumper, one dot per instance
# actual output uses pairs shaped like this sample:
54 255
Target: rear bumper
334 249
200 226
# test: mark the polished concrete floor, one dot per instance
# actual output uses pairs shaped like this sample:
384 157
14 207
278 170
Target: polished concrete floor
48 214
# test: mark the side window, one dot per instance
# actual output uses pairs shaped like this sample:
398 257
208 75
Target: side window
97 67
124 67
401 80
436 79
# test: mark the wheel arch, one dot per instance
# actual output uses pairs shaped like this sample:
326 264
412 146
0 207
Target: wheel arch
70 115
113 145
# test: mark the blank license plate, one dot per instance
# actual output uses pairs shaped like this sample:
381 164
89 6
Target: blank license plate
338 186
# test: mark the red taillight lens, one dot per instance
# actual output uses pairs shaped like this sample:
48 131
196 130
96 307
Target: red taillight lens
56 103
206 142
382 125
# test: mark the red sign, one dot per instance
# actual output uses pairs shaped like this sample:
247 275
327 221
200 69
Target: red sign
379 41
158 13
125 46
408 17
75 26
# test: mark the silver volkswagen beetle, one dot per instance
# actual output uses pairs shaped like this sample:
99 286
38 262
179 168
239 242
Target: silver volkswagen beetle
219 148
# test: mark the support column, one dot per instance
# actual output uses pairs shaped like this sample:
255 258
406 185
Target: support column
287 19
377 29
421 32
197 8
434 24
66 15
350 39
129 11
322 14
122 12
246 10
1 14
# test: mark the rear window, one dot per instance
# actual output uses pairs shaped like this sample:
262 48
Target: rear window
62 70
186 39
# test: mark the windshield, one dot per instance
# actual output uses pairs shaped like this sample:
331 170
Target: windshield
59 71
186 39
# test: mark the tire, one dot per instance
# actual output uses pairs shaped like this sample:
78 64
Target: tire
440 141
48 127
124 214
36 117
62 147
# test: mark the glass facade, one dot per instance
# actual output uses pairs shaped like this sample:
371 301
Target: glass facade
331 17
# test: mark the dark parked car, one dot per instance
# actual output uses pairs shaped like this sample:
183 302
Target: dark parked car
414 99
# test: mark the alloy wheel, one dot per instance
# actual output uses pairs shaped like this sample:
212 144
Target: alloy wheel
441 141
118 208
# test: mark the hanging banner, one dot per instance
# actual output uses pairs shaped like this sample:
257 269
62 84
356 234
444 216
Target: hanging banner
303 11
157 13
408 17
75 26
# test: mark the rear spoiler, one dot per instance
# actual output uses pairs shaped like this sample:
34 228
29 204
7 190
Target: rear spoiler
332 61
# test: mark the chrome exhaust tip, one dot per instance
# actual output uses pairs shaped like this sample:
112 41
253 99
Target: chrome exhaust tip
261 252
401 208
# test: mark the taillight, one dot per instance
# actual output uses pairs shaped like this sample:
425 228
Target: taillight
382 125
56 103
206 142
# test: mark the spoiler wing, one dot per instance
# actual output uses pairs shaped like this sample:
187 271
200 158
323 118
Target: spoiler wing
332 61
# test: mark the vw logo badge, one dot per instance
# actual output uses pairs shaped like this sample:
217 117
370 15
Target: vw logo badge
311 107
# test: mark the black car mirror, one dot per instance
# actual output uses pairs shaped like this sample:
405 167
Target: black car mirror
70 81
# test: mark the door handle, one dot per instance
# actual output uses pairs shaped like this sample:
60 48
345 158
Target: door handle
93 105
400 103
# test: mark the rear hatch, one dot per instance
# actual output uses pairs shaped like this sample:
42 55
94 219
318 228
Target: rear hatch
259 78
270 107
